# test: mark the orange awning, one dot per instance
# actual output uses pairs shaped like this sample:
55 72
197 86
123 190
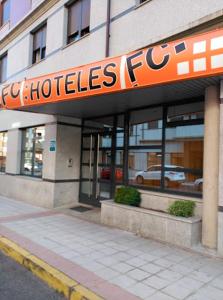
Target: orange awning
191 58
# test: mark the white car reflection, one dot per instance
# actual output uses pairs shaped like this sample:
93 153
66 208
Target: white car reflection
198 183
154 173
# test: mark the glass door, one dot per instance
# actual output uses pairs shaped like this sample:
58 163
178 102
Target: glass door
96 168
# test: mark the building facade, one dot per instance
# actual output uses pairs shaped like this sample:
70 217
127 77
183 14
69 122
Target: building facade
165 141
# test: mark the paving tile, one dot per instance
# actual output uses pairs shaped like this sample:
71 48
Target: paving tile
177 291
210 293
203 277
175 258
106 273
163 262
141 290
160 296
122 256
181 269
136 262
156 282
148 257
108 261
169 275
151 268
138 274
160 252
217 282
122 267
123 281
190 283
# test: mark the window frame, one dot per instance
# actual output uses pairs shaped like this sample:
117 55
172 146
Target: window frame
33 152
2 57
2 22
42 48
127 148
3 170
77 35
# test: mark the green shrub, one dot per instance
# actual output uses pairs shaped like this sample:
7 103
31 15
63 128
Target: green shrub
127 196
182 209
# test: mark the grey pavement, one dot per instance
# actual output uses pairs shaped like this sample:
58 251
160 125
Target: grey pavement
146 268
17 283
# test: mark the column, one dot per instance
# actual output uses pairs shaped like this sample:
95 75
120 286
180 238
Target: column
211 166
13 157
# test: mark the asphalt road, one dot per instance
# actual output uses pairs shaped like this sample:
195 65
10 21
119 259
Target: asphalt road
17 283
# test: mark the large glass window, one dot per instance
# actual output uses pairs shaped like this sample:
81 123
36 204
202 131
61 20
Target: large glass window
145 147
3 68
184 148
158 148
78 20
32 151
3 150
39 44
169 158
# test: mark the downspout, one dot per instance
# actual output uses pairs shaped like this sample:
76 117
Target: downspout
108 23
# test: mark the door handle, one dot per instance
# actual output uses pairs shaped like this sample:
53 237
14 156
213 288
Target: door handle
97 168
90 166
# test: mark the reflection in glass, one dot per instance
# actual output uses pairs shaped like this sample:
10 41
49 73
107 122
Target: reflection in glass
185 112
3 150
119 157
145 167
193 182
32 151
104 191
105 141
184 149
146 127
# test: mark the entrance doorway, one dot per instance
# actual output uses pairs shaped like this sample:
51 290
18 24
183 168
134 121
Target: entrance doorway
101 161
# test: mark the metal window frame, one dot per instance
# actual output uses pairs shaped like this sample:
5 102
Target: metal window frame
127 148
43 44
80 29
3 56
23 151
2 170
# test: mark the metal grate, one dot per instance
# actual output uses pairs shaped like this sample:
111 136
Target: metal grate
81 208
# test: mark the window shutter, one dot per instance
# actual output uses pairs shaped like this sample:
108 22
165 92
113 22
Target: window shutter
37 40
85 14
74 15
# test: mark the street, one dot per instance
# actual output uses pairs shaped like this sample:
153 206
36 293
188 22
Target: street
17 283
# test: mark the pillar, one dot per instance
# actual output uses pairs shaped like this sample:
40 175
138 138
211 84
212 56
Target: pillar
211 166
13 157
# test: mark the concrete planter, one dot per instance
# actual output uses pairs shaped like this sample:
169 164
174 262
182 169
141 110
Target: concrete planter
184 232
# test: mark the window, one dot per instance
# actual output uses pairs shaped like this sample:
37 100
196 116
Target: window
39 44
145 147
169 158
78 20
184 147
32 151
3 68
5 11
3 150
142 1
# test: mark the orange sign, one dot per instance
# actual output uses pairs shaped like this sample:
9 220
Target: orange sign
193 57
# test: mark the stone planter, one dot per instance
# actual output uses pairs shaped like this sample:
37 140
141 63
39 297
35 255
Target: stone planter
184 232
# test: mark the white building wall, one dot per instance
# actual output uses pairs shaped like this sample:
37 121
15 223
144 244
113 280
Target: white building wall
132 27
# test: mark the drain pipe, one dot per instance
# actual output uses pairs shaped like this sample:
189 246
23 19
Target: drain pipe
108 23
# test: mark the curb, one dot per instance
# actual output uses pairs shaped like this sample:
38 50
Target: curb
63 284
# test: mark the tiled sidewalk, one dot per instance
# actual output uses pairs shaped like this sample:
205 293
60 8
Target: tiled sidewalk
111 262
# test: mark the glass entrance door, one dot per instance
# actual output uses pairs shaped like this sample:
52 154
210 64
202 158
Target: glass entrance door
96 171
